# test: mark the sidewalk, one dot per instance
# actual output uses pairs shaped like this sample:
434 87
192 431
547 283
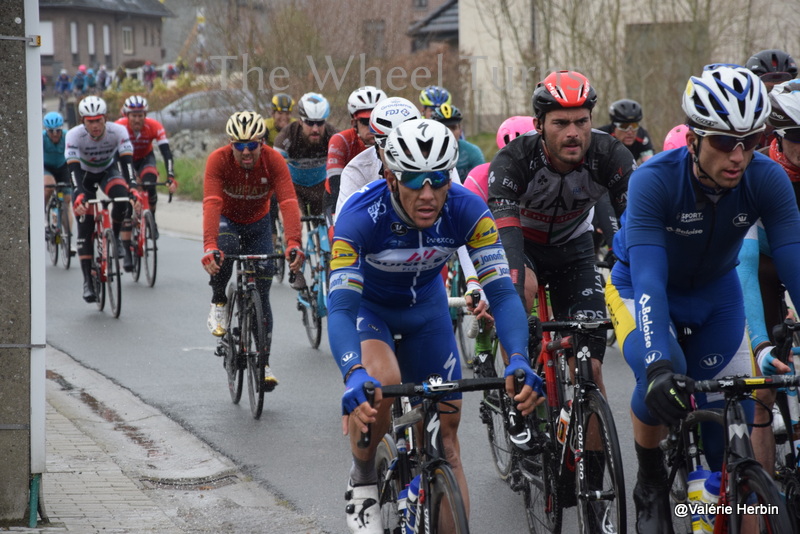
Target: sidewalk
117 465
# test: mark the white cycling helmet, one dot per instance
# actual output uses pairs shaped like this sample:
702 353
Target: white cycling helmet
727 98
388 115
421 145
135 103
364 99
245 126
785 100
313 106
92 107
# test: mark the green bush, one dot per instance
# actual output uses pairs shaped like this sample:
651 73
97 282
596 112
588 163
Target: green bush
189 173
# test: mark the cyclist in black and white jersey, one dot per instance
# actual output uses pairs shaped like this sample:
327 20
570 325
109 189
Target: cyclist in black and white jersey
91 149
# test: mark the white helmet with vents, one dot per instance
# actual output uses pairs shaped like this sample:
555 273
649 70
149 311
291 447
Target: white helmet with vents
421 145
727 98
92 106
364 99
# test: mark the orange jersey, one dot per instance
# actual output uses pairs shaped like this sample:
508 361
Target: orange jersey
143 141
243 196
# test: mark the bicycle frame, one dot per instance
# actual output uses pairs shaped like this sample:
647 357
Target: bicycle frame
318 251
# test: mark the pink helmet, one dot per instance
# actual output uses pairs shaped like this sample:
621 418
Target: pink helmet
512 128
676 137
82 68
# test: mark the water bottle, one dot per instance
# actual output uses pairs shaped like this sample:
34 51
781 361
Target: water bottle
697 480
563 423
710 495
411 505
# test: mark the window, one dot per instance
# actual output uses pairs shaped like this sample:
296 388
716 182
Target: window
90 42
374 36
420 4
107 44
46 29
73 42
127 40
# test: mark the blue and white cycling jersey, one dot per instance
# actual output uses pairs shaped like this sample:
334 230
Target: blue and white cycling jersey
381 263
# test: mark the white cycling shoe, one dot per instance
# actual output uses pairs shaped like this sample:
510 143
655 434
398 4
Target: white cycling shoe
363 510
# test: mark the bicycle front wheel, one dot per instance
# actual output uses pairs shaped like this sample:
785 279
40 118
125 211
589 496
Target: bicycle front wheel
65 238
493 416
254 339
601 495
280 247
52 233
311 318
150 249
136 246
233 364
446 503
113 274
99 270
756 492
388 484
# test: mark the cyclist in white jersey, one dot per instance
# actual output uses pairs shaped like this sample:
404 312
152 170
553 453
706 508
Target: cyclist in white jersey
90 151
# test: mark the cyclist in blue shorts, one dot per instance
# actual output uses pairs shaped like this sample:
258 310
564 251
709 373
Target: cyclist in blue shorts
688 210
391 240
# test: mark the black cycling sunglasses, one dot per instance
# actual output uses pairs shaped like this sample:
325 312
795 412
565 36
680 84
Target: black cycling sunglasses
364 121
790 134
728 143
314 123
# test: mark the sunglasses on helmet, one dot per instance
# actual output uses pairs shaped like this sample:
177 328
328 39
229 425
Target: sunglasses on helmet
626 126
314 123
417 180
776 77
790 134
728 143
250 145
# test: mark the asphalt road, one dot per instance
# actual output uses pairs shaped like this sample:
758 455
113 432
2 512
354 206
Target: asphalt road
160 349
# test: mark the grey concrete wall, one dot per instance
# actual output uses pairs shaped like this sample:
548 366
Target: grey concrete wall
15 307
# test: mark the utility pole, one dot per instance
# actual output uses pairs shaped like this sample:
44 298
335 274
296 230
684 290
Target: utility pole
22 336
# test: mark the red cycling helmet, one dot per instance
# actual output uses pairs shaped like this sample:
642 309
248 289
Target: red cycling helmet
563 89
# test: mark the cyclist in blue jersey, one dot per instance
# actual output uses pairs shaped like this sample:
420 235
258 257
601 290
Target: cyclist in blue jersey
55 163
391 240
688 210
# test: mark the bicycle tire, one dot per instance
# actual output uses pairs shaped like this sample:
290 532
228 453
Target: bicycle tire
311 319
137 248
98 271
254 342
150 249
280 248
791 488
388 489
52 234
493 416
753 481
113 274
233 368
543 508
443 490
613 489
65 238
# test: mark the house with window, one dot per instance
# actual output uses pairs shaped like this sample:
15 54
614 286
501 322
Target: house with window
100 32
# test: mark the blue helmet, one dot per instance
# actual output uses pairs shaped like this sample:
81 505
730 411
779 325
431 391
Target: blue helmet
434 96
53 120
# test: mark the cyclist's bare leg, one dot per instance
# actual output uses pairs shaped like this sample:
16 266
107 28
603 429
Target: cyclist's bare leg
49 180
648 436
762 436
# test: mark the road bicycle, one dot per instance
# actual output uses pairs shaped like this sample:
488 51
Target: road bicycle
245 347
106 274
401 456
280 248
143 236
744 482
59 233
567 453
312 300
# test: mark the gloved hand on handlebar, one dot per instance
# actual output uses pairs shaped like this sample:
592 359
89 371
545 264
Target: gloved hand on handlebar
212 260
768 363
354 393
526 401
666 396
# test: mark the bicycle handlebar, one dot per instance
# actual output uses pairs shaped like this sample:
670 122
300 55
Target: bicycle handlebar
313 218
436 388
740 384
366 437
254 257
167 183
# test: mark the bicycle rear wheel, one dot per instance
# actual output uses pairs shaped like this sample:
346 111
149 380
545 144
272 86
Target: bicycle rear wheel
150 249
755 488
494 417
601 509
254 343
136 247
233 364
113 274
543 507
99 270
388 485
446 503
311 318
52 233
65 238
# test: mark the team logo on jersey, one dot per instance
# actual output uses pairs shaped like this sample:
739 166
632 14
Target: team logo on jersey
652 356
399 228
712 361
342 255
376 210
742 220
485 233
347 356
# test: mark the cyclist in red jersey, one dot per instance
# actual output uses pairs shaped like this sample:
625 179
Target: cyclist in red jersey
143 131
239 180
349 143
